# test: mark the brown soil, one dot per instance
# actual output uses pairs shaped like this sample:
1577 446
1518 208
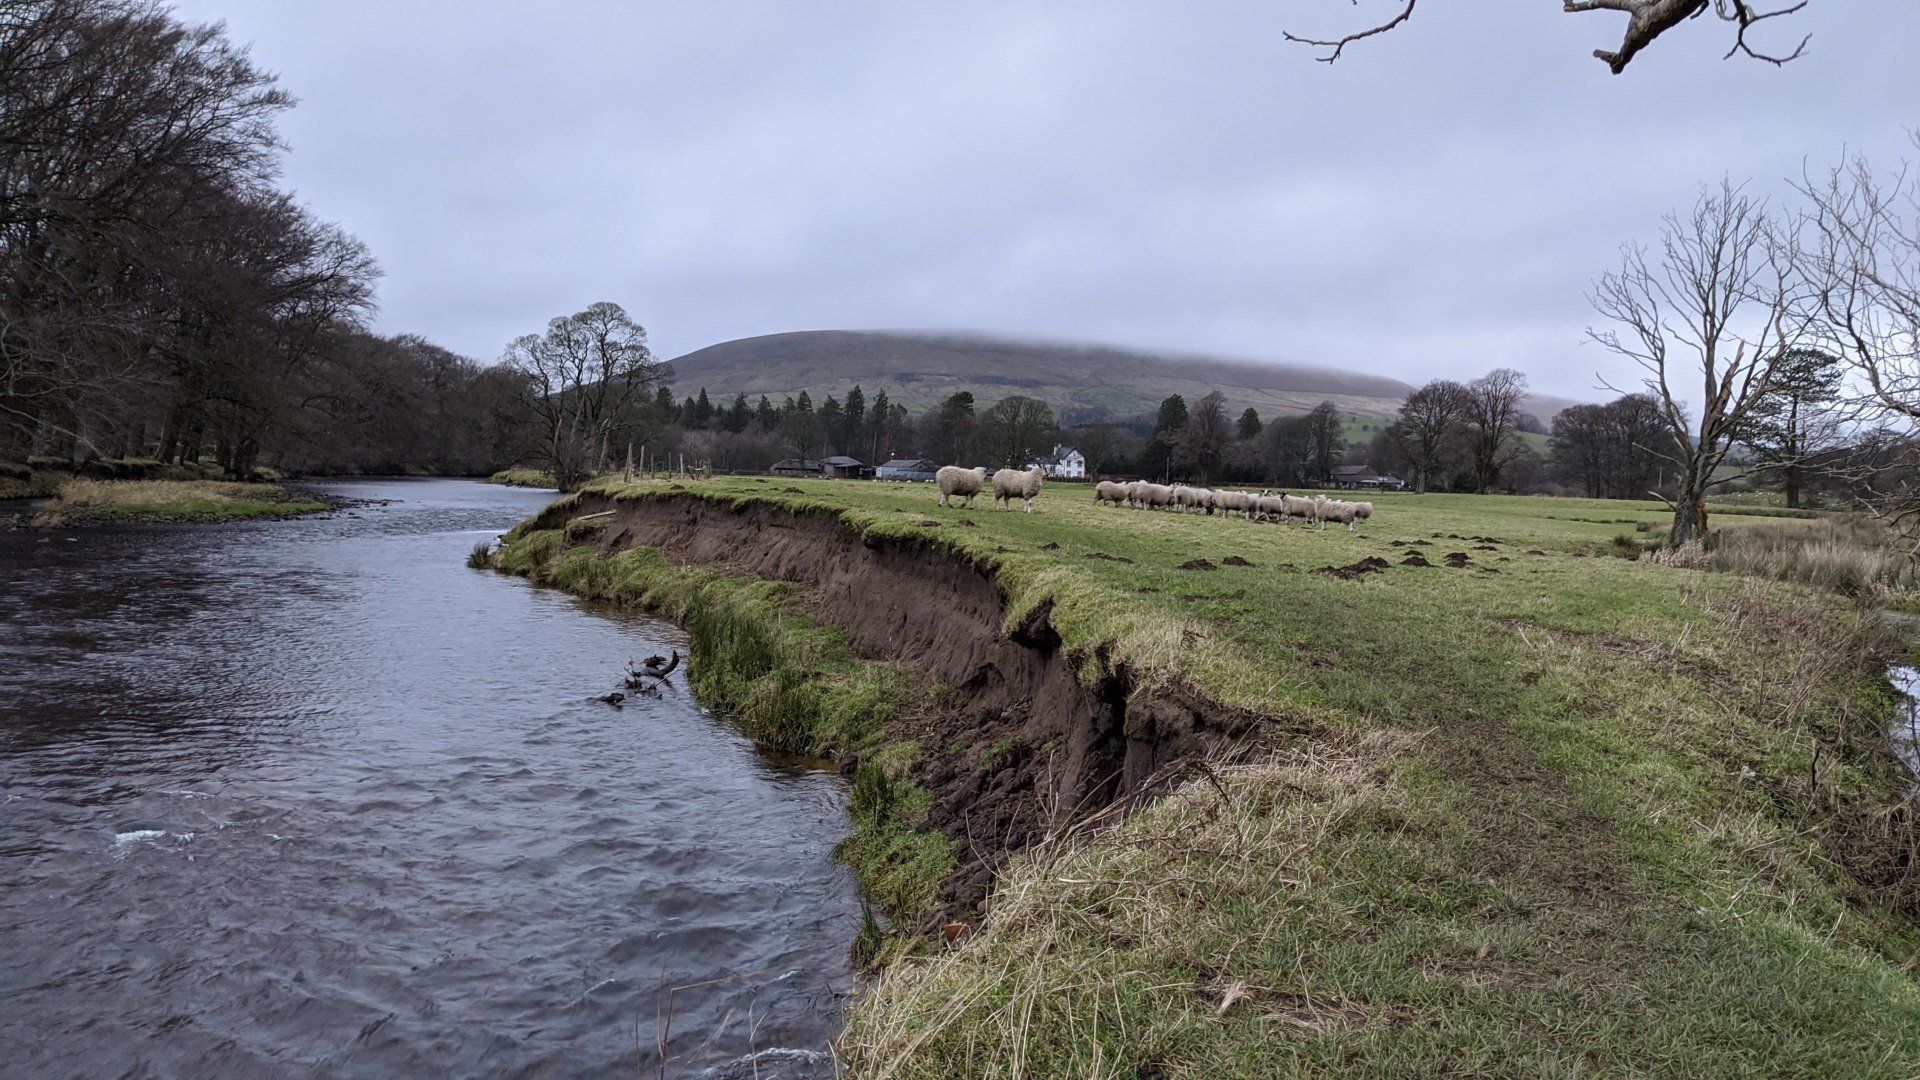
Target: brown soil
1081 748
1107 557
1234 560
1197 564
1414 558
1372 564
1458 559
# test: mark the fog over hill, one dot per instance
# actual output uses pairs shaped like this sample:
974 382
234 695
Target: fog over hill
919 369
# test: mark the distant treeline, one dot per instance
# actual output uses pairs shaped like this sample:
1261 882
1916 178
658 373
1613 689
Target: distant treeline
161 297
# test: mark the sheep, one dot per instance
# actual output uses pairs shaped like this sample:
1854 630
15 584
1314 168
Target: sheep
1362 511
1335 510
1150 496
956 481
1321 504
1108 491
1268 505
1299 507
1190 498
1011 484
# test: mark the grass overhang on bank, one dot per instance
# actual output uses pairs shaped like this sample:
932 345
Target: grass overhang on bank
1514 803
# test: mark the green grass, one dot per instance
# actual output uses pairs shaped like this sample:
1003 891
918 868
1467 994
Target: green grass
83 499
532 478
1554 812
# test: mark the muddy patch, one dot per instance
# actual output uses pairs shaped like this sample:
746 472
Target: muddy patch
1234 560
1372 564
1458 559
1414 558
1107 557
1197 564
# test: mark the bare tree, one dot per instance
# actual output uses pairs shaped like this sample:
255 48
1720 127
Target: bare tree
1718 304
1429 427
1861 259
579 377
1493 423
1646 20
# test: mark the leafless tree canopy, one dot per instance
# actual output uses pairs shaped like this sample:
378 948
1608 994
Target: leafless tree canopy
1712 310
580 378
1646 20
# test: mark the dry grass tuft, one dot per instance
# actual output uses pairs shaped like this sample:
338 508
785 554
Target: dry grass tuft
1851 556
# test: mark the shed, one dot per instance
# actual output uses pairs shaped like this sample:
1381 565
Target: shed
906 469
841 467
795 467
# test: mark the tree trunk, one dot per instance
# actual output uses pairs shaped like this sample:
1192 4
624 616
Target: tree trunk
1792 477
1689 511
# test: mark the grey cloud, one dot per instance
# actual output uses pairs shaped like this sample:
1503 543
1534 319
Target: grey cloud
1157 175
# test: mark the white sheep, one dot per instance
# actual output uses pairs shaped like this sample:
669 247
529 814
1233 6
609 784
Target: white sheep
1109 491
1268 506
1335 510
1362 511
956 481
1190 498
1151 496
1297 506
1321 504
1011 484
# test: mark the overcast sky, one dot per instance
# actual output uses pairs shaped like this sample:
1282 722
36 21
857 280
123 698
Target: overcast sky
1165 175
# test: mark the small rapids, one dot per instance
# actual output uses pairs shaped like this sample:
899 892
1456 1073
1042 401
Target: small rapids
312 798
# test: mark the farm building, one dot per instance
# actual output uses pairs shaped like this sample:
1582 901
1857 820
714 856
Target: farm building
906 469
1064 463
842 467
795 467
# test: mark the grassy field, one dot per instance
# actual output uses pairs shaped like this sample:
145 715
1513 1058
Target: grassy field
82 499
1560 812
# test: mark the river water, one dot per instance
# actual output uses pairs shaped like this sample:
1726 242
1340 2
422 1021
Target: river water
311 798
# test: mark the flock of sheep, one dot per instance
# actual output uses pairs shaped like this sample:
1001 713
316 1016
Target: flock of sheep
1010 484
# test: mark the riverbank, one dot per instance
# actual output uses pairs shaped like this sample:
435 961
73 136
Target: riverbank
80 500
530 478
1501 800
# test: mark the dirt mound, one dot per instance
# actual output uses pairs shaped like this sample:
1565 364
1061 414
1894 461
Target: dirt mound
1372 564
1535 551
927 522
968 522
1458 559
1050 546
1414 558
793 491
1196 564
1234 560
1107 557
1485 547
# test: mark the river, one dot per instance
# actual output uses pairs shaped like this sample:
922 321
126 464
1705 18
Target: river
312 798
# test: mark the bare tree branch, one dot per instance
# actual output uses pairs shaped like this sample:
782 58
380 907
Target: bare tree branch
1646 21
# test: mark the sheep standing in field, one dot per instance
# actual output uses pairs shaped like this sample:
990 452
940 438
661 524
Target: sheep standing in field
1011 484
1362 511
1190 498
1108 491
1321 504
1269 506
1344 512
1297 506
956 482
1150 496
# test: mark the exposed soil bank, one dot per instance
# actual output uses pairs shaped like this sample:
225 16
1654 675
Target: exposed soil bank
1025 739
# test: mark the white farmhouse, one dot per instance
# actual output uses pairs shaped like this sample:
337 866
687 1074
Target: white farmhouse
1065 463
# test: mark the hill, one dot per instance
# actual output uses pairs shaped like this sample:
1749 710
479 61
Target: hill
919 370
